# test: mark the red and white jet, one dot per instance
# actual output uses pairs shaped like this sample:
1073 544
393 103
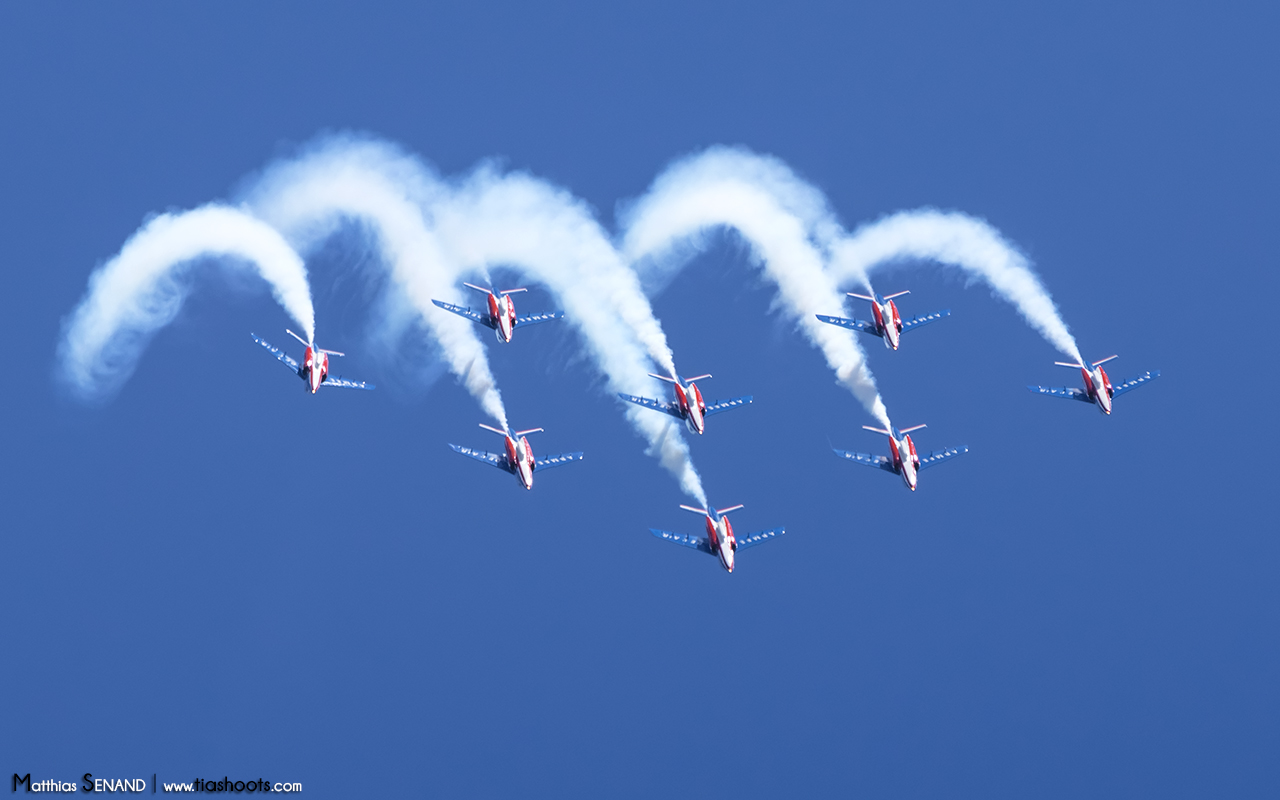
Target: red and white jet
888 323
689 405
500 313
720 540
517 457
1097 385
903 459
314 369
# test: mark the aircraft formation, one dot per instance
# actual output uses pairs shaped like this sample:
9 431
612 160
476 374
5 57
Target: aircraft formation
688 405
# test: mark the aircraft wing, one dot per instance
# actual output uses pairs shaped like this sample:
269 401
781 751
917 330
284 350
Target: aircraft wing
657 405
280 355
696 542
725 405
343 383
851 324
880 462
1063 391
916 322
547 462
759 537
938 456
474 316
534 319
492 459
1134 383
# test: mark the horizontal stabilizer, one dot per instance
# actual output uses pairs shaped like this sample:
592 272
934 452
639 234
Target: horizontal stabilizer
701 511
1068 364
296 336
330 352
897 294
477 288
662 378
875 430
730 508
512 291
531 430
696 378
1105 360
861 296
498 431
912 428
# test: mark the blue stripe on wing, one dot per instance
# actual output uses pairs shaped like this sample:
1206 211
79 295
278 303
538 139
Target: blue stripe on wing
280 355
534 319
938 456
916 322
851 324
474 316
343 383
759 537
695 542
725 405
1063 391
1134 383
879 462
547 462
492 459
656 405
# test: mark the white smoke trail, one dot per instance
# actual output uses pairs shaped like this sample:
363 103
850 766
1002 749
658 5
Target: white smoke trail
141 289
552 237
777 214
968 243
346 179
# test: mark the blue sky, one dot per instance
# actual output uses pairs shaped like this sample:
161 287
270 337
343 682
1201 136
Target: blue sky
213 574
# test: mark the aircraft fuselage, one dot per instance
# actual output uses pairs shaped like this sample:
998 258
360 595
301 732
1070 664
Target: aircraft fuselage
520 460
693 407
502 310
888 321
906 462
722 541
315 368
1098 384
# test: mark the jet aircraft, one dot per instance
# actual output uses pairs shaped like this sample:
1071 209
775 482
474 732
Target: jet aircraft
904 460
500 313
689 405
1097 385
517 458
314 369
888 324
720 540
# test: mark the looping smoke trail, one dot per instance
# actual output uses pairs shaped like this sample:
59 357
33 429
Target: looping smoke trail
552 237
777 214
346 178
140 290
968 243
